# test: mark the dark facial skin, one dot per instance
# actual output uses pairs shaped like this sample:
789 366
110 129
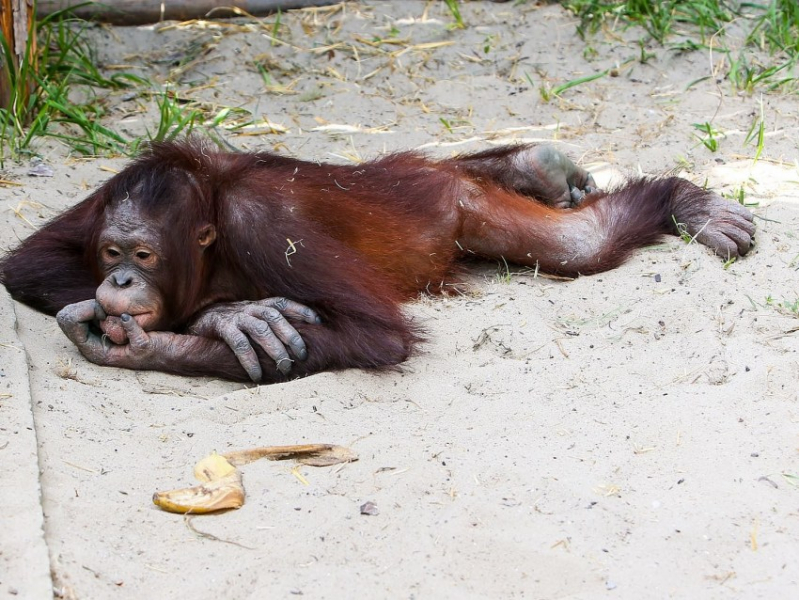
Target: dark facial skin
130 257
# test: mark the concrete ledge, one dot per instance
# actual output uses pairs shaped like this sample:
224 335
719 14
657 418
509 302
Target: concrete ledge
24 559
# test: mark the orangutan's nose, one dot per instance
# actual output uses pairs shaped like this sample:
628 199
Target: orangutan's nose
122 279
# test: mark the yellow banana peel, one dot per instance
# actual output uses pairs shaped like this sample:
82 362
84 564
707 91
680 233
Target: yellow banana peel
221 485
221 488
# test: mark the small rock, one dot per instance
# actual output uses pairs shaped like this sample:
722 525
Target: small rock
370 509
40 169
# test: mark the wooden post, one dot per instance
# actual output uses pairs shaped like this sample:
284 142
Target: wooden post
137 12
16 25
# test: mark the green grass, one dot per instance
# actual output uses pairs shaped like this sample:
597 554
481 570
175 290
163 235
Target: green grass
737 195
17 115
503 272
66 98
452 5
549 92
757 133
776 28
682 231
787 307
658 19
773 25
710 135
174 117
276 28
770 25
43 99
747 76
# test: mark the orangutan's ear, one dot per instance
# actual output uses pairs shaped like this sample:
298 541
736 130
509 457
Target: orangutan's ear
206 236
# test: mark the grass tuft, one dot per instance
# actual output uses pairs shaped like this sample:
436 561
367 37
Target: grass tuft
452 5
43 85
772 26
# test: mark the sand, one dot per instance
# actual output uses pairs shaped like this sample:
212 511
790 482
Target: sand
626 435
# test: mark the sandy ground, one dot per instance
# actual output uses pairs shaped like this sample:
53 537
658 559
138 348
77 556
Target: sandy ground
629 435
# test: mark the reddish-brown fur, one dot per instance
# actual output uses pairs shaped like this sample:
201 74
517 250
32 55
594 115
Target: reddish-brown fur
352 242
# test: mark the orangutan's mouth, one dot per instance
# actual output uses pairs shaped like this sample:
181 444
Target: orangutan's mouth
114 331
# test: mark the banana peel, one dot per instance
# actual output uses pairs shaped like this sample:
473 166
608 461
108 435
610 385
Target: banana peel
221 486
313 455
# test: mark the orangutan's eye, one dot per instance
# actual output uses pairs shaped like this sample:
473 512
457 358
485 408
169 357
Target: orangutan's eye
143 255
